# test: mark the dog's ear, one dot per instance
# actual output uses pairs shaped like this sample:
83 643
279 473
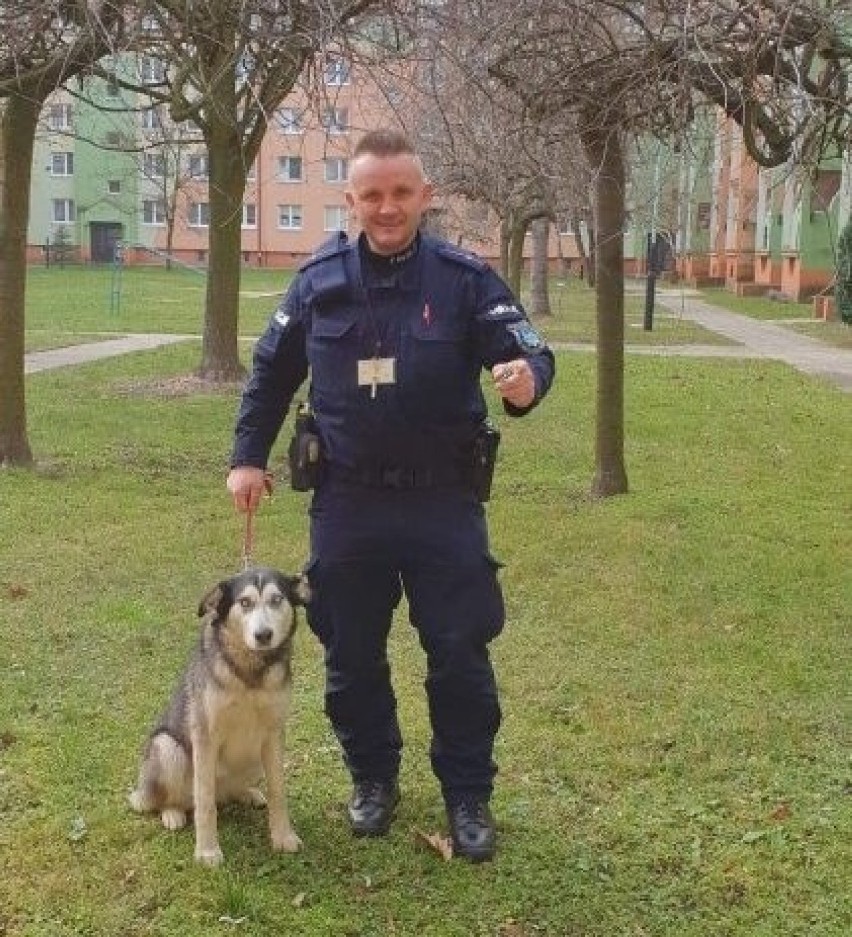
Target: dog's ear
215 600
298 590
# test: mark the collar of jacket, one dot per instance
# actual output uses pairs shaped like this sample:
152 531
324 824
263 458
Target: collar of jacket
405 275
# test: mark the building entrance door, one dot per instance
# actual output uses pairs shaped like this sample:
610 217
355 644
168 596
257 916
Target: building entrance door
104 236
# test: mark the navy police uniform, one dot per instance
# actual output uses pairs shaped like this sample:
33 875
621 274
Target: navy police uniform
395 348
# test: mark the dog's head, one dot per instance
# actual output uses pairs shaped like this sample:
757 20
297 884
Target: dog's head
260 603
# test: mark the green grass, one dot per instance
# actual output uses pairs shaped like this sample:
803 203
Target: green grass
573 319
143 299
674 672
157 300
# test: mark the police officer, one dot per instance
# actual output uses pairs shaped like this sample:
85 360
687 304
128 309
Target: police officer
395 328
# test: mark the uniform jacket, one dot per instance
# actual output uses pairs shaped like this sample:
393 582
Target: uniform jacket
439 317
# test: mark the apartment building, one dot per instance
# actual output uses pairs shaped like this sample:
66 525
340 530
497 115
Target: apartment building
111 169
755 230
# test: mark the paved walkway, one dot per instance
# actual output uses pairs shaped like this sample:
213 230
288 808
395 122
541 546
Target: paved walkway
767 340
754 338
93 351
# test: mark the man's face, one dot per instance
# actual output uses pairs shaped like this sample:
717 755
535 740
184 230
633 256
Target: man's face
388 196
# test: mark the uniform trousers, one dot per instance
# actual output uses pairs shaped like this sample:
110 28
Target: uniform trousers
369 547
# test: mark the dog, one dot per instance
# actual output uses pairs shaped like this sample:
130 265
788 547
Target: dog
223 731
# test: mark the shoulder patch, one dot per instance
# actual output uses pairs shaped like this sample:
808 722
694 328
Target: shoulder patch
504 311
529 341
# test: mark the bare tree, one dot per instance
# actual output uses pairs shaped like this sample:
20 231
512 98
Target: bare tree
41 45
777 67
227 67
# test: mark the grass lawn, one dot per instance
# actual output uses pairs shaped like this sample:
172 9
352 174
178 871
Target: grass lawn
152 299
675 671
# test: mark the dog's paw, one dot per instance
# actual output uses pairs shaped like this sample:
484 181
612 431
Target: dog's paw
137 801
173 819
209 857
254 797
288 841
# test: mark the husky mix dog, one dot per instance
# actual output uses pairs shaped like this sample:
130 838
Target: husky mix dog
223 731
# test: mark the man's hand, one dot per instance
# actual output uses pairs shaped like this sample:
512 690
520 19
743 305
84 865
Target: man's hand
515 382
247 485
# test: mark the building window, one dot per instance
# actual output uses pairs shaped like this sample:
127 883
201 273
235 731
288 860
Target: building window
335 120
64 211
153 212
289 120
199 214
336 71
61 164
250 215
59 117
199 167
336 169
151 71
290 217
290 168
154 165
113 186
150 119
335 217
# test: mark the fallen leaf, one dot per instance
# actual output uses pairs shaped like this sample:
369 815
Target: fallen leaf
442 845
299 900
17 591
781 812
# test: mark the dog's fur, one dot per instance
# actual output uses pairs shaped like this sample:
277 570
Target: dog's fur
223 730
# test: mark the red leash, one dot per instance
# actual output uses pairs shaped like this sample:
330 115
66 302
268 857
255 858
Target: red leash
248 533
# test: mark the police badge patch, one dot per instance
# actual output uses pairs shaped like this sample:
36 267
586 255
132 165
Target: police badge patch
529 341
503 311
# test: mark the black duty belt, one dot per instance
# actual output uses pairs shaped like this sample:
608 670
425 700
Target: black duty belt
401 477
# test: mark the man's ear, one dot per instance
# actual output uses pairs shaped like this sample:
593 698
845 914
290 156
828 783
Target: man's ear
217 599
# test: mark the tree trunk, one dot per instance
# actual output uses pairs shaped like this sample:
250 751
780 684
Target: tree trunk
18 123
220 360
517 233
539 271
505 237
604 151
593 249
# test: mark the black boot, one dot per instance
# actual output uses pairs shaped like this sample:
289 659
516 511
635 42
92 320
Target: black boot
371 807
472 829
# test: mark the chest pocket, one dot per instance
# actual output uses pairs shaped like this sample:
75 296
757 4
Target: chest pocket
333 351
438 373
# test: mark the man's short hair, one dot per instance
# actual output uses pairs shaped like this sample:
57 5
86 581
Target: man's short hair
384 142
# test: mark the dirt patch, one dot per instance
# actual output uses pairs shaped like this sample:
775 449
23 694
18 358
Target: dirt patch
183 385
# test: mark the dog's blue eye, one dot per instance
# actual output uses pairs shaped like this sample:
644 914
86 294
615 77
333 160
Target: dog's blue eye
276 600
246 603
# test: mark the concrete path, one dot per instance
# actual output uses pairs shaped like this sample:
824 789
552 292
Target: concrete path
767 340
94 351
754 338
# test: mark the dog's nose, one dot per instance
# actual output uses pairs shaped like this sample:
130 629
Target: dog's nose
263 635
